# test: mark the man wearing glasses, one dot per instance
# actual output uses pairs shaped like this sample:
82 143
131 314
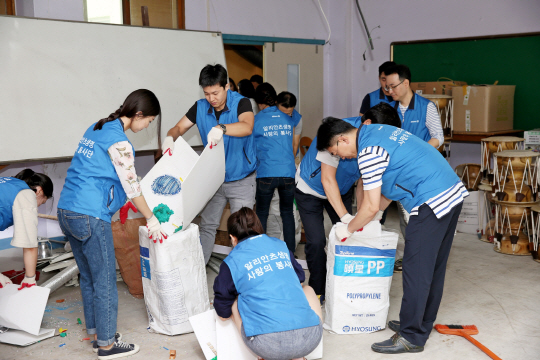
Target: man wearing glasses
418 114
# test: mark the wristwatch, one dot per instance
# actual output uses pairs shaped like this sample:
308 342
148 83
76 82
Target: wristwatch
223 127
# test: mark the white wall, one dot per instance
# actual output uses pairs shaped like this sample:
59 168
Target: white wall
347 77
51 9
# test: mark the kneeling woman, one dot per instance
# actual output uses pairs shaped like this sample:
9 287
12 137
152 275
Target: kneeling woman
259 285
101 176
20 197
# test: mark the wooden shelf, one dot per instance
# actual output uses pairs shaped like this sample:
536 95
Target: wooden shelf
469 136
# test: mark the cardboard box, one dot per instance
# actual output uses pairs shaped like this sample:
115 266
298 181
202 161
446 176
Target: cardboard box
435 87
473 216
483 108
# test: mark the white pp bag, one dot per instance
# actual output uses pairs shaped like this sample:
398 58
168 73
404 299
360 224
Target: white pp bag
174 280
358 279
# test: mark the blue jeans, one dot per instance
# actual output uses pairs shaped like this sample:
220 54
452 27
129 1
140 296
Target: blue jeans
92 244
264 195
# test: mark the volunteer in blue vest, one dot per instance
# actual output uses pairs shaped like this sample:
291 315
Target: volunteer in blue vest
100 178
418 116
395 165
324 181
273 135
259 285
286 102
227 115
20 197
379 95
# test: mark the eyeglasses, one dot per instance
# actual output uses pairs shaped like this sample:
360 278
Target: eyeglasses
392 87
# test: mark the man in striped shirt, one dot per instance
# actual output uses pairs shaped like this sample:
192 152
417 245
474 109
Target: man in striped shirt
394 165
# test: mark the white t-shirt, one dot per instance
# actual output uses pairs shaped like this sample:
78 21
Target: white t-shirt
324 157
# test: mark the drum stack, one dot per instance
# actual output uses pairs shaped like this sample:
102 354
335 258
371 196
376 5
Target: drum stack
489 147
514 191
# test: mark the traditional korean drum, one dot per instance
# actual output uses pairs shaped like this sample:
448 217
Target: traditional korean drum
470 175
445 108
534 235
511 235
516 168
494 144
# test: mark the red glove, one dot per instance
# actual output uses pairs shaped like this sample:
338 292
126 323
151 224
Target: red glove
28 282
124 211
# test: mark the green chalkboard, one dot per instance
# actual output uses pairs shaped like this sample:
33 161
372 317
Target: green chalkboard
509 60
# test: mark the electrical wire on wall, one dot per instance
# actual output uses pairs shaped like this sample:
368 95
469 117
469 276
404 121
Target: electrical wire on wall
367 30
327 23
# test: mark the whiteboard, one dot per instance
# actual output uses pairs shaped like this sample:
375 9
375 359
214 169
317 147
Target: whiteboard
59 77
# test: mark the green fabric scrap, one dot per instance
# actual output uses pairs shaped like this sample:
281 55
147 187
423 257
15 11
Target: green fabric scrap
162 213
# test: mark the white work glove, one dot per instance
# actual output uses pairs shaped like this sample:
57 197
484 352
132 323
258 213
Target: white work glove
214 136
155 232
378 216
168 144
4 280
347 218
342 232
28 282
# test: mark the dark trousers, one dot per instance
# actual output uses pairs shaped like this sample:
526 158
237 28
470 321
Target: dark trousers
311 212
427 245
264 195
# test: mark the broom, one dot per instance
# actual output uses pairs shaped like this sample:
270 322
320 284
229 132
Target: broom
466 331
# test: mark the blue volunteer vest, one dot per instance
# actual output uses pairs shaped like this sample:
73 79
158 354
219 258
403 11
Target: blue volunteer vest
270 297
273 133
9 189
347 171
240 158
92 186
415 117
376 97
416 172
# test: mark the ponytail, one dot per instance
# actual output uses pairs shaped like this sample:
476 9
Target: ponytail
141 100
115 115
34 179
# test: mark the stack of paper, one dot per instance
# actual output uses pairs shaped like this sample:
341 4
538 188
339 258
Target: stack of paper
22 312
222 338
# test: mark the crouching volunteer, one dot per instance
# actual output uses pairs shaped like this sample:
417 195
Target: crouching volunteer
324 181
273 133
101 175
221 115
20 197
395 165
259 285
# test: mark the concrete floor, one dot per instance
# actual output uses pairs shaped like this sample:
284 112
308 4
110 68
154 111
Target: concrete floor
500 294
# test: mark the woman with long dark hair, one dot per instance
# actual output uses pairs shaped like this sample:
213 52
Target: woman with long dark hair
20 197
259 286
101 176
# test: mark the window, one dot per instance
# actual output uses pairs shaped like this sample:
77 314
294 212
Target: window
104 11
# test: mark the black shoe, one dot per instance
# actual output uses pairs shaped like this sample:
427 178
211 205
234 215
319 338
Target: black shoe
321 299
397 344
398 266
95 346
393 325
118 350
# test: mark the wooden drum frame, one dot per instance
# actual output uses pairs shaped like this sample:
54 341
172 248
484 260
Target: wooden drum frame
495 144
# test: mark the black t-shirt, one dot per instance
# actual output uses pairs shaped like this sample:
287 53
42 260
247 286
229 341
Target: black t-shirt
244 105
